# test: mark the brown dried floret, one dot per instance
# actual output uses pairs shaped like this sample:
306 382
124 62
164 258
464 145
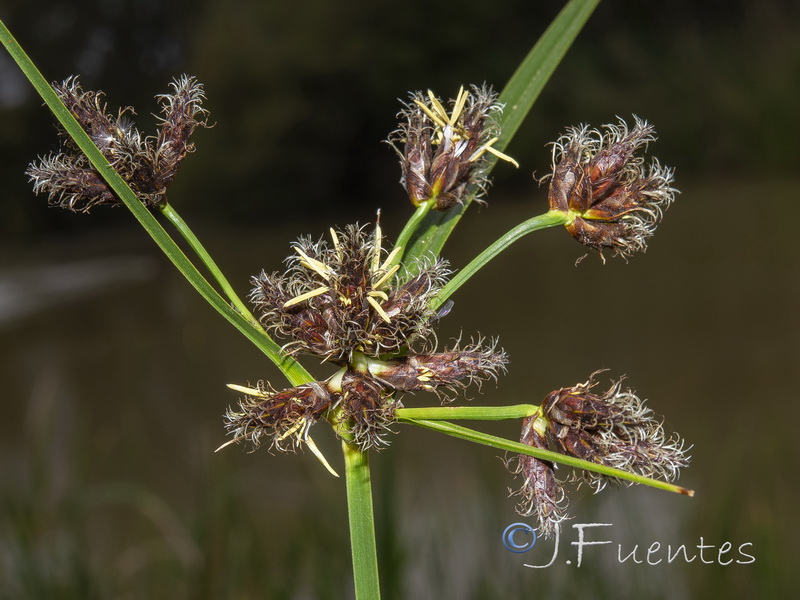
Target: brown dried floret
338 299
444 153
147 164
541 492
614 202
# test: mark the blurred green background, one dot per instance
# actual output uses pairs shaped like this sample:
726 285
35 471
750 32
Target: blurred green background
113 371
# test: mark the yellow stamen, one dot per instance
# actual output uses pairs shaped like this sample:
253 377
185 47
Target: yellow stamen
390 259
230 442
425 374
386 276
313 264
248 390
291 430
503 156
313 447
336 245
376 249
434 117
438 107
487 147
461 100
302 297
378 309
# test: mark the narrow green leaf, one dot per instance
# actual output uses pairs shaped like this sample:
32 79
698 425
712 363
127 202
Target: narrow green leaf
518 96
503 444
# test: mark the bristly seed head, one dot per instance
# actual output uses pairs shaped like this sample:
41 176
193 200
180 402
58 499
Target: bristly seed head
287 414
541 494
147 164
614 202
444 373
443 153
338 299
352 304
614 429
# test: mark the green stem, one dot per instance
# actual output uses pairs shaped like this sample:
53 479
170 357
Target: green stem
411 226
172 215
293 370
479 437
477 413
362 522
548 219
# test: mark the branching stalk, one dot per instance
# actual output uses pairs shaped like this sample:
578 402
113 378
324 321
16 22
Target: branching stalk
172 215
511 446
474 413
548 219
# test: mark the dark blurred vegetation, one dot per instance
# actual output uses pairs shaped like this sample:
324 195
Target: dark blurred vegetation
303 93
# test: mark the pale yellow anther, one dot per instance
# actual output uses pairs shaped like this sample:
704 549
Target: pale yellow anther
425 374
438 107
336 245
378 309
376 248
503 156
390 259
313 447
302 297
291 430
313 264
248 390
487 147
441 122
378 294
231 442
461 100
386 276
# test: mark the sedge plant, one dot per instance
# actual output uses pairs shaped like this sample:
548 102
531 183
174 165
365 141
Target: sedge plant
369 305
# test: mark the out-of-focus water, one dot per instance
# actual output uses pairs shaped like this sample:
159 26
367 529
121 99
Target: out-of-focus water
113 385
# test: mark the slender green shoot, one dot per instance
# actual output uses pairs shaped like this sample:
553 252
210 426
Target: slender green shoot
172 215
548 219
472 413
413 224
518 448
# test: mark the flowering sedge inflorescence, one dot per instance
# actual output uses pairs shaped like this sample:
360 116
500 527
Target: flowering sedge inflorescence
351 303
613 201
147 164
613 429
443 154
346 303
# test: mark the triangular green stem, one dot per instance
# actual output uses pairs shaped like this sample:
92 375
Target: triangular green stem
362 522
